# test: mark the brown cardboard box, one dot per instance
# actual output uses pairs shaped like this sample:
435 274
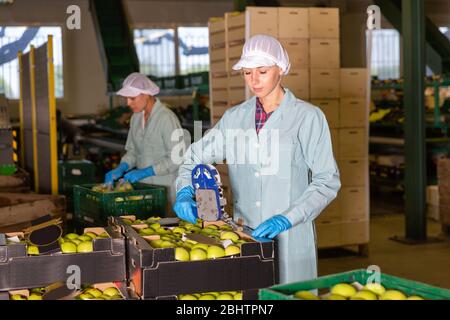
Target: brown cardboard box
261 20
234 54
298 51
217 67
324 23
330 107
218 110
354 172
335 142
331 213
324 54
216 32
353 112
354 82
355 232
219 96
329 234
219 82
293 22
297 81
324 83
353 143
353 202
235 27
236 88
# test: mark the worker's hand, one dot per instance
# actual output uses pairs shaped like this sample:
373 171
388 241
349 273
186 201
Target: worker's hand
139 174
116 173
185 206
272 227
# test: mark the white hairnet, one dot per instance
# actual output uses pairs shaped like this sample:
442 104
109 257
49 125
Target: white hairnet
137 83
263 51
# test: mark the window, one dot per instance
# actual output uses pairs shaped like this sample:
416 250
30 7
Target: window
385 59
156 50
193 49
14 39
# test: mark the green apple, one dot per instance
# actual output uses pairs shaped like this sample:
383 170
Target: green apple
393 295
238 296
155 226
85 246
226 227
215 294
76 241
105 297
215 252
225 296
335 297
212 226
111 291
117 297
156 243
137 221
197 254
35 296
68 247
202 246
84 238
61 240
162 231
232 250
305 295
343 289
18 297
365 295
37 290
415 298
167 244
207 297
229 235
207 231
71 236
91 234
187 297
181 254
85 296
376 288
146 232
94 292
178 230
127 221
33 250
103 235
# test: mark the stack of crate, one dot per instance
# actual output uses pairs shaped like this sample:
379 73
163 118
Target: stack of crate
311 36
346 220
217 68
342 94
293 33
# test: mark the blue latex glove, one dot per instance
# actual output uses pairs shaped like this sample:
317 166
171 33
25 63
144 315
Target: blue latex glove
139 174
185 206
272 227
116 173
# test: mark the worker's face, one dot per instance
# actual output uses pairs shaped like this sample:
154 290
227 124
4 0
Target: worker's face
263 80
138 103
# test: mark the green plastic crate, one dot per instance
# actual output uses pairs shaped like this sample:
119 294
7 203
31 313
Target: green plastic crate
8 169
286 291
95 207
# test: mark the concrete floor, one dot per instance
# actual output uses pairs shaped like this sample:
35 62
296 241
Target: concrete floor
428 263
